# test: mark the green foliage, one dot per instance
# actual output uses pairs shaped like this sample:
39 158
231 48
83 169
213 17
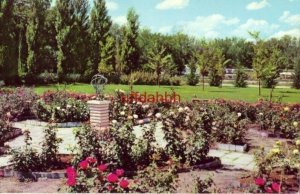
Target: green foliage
129 48
296 78
153 179
26 160
160 63
240 78
62 110
50 145
217 64
193 78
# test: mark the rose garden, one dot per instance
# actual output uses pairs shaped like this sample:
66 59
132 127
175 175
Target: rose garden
149 147
93 101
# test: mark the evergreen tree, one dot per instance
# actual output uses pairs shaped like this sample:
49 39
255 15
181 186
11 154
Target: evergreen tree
34 35
102 42
130 46
8 48
64 26
80 46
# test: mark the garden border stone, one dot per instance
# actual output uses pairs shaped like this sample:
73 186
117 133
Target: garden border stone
232 147
44 124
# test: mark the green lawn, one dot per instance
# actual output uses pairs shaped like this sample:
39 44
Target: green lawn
187 92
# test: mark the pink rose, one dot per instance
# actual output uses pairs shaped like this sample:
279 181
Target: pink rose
124 183
119 172
91 160
260 181
112 178
276 187
102 167
84 165
71 175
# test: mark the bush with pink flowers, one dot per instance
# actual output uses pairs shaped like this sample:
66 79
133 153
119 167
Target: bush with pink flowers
93 176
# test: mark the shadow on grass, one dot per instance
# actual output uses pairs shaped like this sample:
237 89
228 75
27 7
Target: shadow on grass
219 91
288 92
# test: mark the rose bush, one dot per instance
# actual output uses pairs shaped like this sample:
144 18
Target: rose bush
93 176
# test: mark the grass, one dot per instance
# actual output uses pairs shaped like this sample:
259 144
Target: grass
249 94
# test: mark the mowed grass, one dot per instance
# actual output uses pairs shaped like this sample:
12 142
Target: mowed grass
186 93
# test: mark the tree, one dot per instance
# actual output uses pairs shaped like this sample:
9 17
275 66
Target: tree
34 35
8 48
130 46
296 77
65 20
160 62
202 58
192 78
260 58
240 78
102 43
216 67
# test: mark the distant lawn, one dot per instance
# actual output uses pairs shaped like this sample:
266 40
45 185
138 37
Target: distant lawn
187 92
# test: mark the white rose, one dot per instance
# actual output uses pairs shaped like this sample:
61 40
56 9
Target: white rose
114 121
135 116
58 108
150 114
158 115
261 114
145 106
130 117
239 114
171 113
186 108
122 113
295 124
139 103
69 106
180 109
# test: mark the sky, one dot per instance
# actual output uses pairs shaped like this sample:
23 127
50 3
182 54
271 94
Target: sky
213 18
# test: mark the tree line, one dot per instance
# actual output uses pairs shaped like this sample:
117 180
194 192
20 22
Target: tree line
73 41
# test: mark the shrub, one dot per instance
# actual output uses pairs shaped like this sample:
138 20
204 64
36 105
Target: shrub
17 103
241 78
89 175
50 147
26 160
156 180
214 78
192 78
5 128
61 110
47 78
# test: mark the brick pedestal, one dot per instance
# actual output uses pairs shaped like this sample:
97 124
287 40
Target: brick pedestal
99 114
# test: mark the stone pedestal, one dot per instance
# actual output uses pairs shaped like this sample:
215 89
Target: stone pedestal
99 114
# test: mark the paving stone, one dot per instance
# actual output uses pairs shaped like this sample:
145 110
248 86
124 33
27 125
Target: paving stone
217 153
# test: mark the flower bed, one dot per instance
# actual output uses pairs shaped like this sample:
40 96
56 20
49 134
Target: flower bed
62 107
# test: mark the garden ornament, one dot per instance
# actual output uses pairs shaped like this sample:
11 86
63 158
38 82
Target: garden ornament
98 82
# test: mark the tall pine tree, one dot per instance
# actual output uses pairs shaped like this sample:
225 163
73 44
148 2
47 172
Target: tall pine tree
34 35
102 42
130 44
65 21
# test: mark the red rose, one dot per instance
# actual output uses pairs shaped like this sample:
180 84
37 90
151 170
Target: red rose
119 172
84 164
102 167
112 178
124 183
91 159
269 190
276 187
260 181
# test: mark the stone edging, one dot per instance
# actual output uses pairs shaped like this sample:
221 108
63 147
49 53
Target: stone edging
8 172
44 124
232 147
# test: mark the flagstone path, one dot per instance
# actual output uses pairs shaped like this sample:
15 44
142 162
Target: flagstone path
230 160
